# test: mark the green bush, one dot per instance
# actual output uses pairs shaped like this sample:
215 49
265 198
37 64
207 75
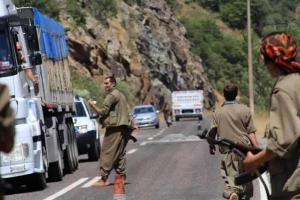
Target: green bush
86 87
75 10
102 9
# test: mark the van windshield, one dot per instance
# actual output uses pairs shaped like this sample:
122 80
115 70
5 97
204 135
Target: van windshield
80 112
6 63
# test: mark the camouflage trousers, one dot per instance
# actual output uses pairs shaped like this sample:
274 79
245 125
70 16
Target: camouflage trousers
113 153
231 165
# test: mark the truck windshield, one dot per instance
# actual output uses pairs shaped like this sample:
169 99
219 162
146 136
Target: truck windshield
6 63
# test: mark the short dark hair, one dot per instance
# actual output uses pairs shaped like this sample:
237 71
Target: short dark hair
111 78
230 92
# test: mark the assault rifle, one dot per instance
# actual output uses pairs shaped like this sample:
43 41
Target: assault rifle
239 148
130 129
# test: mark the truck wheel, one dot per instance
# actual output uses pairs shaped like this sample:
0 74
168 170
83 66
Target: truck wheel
94 151
176 119
73 144
37 181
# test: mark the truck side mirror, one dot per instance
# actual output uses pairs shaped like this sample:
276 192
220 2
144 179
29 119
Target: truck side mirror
36 59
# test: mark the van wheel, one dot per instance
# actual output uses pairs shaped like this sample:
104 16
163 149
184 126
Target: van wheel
94 151
176 119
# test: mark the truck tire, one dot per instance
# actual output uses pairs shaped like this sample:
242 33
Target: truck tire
73 144
176 119
69 157
37 181
94 151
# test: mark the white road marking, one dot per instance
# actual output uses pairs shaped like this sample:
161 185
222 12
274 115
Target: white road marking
157 134
131 151
91 182
143 143
67 189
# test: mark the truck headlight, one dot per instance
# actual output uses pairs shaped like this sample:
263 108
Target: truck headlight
177 111
198 110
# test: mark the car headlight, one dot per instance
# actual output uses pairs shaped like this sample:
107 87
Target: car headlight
83 128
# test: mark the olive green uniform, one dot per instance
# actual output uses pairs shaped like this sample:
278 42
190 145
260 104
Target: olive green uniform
7 125
115 118
283 138
234 122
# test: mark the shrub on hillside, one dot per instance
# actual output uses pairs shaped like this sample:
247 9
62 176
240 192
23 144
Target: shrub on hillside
102 9
74 9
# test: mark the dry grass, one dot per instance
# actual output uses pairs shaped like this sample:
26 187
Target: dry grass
260 122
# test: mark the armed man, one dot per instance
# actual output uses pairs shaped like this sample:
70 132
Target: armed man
234 122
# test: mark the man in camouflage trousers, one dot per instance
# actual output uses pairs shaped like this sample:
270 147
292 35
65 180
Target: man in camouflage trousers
234 122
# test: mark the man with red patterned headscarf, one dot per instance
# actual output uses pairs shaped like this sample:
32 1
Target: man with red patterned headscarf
278 50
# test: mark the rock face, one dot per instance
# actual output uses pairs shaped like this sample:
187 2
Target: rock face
144 46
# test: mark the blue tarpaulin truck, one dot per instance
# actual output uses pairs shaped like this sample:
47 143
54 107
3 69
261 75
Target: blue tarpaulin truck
45 144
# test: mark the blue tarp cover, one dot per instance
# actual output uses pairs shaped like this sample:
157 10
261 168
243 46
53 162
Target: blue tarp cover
52 36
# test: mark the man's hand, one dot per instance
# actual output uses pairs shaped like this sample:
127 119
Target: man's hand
251 163
92 102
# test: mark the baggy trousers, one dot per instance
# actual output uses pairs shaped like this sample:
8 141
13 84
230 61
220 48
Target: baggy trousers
231 165
113 153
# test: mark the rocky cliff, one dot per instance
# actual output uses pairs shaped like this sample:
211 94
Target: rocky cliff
144 46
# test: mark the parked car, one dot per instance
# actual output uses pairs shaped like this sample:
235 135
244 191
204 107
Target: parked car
87 131
145 116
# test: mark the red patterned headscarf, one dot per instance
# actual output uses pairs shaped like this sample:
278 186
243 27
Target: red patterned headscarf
281 49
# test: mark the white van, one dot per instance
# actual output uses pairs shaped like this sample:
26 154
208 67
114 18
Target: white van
87 131
187 103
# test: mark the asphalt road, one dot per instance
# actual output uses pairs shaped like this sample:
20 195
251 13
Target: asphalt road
165 164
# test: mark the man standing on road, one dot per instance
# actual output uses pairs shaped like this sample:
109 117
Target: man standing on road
278 51
7 126
234 122
114 116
